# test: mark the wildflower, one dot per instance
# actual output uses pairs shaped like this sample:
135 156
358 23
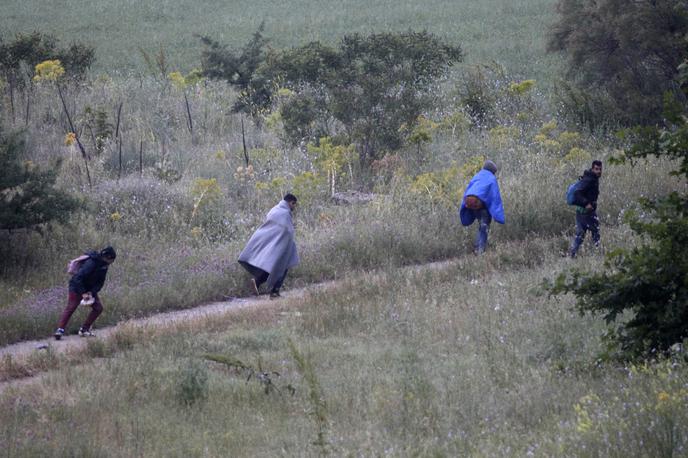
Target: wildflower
663 396
177 80
48 70
69 139
116 216
522 87
196 232
284 92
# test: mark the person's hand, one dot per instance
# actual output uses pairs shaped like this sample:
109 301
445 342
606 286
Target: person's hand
588 207
86 296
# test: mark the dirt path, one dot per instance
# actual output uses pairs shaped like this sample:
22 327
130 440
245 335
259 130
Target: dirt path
24 351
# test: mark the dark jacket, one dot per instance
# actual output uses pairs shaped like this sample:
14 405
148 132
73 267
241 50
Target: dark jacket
91 275
588 190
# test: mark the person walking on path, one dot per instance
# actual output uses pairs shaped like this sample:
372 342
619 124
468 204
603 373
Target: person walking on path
482 201
585 200
271 250
84 287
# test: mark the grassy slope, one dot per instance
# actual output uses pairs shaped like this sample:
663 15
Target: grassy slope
468 359
508 31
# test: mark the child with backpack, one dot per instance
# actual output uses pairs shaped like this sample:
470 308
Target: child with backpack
88 276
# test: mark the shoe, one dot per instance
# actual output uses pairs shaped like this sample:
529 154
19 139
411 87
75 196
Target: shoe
59 333
275 294
86 333
254 287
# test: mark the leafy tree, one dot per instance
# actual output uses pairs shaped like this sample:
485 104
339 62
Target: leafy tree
28 197
367 86
622 55
370 85
239 69
648 282
19 57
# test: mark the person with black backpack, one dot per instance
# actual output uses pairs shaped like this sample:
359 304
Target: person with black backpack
585 194
89 275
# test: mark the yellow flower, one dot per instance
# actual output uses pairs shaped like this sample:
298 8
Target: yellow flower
663 396
48 70
116 216
69 139
196 232
521 87
177 80
219 154
548 127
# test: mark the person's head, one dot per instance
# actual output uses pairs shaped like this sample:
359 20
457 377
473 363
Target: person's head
290 199
596 168
108 254
491 166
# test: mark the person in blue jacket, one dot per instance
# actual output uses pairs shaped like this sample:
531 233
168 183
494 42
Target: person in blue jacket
482 201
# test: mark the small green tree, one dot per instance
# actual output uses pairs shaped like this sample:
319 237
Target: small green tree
648 283
28 197
240 70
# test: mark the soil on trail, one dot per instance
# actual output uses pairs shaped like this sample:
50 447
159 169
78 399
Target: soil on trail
22 351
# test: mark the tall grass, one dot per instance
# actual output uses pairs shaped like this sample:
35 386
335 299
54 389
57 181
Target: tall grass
469 359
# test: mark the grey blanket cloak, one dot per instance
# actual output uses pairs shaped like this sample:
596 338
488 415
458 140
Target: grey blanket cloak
272 246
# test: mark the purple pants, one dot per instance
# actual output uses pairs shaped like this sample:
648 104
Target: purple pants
72 303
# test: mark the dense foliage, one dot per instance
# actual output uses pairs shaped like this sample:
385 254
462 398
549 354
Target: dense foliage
622 56
365 89
239 69
28 197
19 57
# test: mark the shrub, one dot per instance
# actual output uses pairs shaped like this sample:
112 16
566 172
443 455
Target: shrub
28 197
192 383
626 52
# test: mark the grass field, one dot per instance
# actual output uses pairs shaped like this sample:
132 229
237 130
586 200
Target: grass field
511 32
469 359
466 360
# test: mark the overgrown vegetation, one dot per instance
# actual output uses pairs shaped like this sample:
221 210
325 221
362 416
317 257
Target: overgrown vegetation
176 167
28 196
622 57
364 91
646 287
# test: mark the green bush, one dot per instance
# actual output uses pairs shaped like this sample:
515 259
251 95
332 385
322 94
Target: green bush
30 199
623 53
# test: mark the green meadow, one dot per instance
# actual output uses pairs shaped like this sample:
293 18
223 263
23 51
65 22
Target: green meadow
509 32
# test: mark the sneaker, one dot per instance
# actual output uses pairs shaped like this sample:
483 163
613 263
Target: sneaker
86 333
254 287
275 294
59 333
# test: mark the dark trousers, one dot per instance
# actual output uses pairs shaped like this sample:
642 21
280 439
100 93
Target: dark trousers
261 276
484 219
585 222
73 301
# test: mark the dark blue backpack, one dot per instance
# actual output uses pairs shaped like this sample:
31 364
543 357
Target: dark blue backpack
571 191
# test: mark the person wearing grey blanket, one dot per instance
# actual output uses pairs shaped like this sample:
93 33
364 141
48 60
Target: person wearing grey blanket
271 250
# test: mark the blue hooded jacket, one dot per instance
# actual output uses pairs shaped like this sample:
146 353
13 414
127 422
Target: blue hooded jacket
484 186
